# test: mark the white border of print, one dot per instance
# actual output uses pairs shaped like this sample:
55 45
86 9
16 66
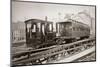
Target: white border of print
5 33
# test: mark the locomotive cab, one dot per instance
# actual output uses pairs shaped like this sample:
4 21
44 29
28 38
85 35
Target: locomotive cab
38 32
64 29
64 32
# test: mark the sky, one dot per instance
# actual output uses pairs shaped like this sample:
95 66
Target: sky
26 10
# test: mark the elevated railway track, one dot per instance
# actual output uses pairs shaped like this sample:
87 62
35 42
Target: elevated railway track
54 53
76 56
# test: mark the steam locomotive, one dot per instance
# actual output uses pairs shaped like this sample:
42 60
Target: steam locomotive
40 34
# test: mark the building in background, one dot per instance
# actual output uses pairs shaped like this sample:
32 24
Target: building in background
18 32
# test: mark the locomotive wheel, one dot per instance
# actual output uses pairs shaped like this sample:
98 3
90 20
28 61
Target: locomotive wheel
59 41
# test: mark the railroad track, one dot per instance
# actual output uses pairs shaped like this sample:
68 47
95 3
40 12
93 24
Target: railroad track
45 55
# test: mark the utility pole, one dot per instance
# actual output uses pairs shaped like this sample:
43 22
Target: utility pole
45 27
59 15
46 18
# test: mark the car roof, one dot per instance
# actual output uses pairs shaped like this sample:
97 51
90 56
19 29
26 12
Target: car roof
36 21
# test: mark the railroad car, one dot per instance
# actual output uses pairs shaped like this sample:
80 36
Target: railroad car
38 33
71 30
